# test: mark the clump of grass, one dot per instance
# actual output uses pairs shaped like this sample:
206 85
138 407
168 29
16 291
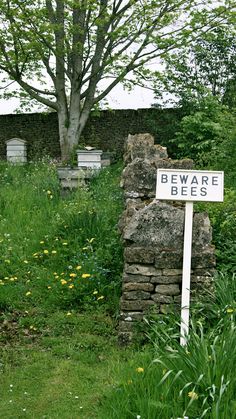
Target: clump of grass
195 381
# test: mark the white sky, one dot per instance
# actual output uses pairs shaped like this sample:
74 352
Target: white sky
117 99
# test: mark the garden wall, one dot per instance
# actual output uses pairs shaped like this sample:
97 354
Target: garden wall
153 234
106 130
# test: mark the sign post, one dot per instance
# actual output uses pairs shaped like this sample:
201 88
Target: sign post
188 186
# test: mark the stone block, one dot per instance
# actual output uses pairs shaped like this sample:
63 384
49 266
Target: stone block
203 260
140 286
161 298
131 316
157 225
169 259
139 255
146 270
172 272
136 295
169 289
171 279
136 305
135 278
126 326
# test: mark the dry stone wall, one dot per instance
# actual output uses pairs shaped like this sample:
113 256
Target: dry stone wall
153 234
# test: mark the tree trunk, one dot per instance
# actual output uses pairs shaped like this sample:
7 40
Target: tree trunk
70 130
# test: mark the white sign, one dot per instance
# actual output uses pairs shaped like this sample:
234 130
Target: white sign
190 185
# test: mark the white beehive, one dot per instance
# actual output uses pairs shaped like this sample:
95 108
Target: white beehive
89 159
16 150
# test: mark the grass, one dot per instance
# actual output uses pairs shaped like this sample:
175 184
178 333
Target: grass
60 281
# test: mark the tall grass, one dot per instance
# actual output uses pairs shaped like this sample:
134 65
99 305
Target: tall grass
54 251
194 381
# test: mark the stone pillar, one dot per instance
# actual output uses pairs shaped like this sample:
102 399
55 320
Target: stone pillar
153 234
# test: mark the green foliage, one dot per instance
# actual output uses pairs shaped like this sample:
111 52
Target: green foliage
204 66
207 135
223 220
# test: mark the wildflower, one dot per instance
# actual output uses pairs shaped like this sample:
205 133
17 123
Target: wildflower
41 242
54 252
101 297
230 310
72 275
95 292
25 261
86 275
69 313
49 192
7 261
63 282
91 240
78 267
1 282
45 251
71 286
28 293
193 395
140 369
64 243
49 287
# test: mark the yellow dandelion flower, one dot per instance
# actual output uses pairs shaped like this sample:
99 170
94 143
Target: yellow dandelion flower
45 251
33 327
95 292
86 275
230 310
78 267
41 242
193 395
64 243
72 275
25 261
28 293
101 297
54 273
49 287
49 192
140 369
63 282
69 313
71 286
54 252
56 276
12 279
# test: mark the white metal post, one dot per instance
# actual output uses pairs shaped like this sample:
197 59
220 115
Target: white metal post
185 300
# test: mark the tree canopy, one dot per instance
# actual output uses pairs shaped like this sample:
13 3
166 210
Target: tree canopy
59 51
